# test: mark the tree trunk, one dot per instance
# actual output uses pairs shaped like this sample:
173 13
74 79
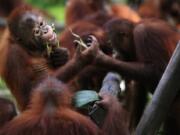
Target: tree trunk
163 97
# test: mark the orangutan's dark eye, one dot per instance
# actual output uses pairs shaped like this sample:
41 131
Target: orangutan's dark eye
42 23
36 32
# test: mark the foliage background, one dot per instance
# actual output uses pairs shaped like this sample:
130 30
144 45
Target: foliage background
53 7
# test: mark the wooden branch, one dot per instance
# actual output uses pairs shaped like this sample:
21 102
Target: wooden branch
163 97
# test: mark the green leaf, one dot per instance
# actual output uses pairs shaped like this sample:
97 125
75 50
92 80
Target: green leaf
84 97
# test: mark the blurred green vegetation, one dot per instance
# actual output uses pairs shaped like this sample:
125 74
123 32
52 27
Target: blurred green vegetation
4 92
46 3
58 12
53 7
2 84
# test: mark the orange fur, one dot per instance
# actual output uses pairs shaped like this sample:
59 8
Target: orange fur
50 113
